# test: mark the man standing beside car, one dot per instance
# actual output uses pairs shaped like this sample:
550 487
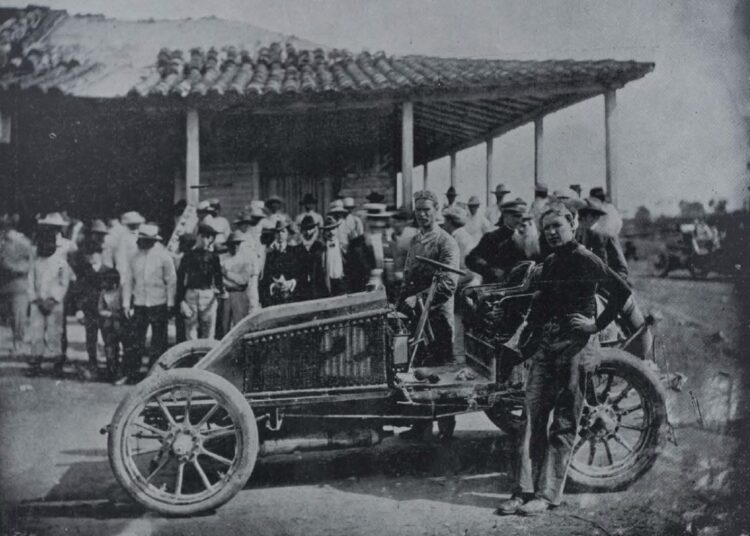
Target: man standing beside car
562 322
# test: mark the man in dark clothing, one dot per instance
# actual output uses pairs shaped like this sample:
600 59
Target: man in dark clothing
308 254
279 274
497 253
365 257
562 322
89 285
199 282
603 246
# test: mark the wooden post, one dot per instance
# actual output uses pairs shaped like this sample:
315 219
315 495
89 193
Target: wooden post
610 142
426 175
453 169
489 172
407 153
538 151
193 158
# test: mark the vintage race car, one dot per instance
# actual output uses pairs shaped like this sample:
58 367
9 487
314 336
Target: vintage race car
331 373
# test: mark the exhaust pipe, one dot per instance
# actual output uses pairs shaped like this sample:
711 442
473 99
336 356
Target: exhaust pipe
362 437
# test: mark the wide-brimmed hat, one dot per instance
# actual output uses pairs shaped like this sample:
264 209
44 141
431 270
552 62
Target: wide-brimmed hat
53 219
98 226
451 192
236 237
455 214
206 230
215 203
375 197
592 206
473 201
597 192
205 206
308 222
337 207
564 193
275 199
516 206
374 208
132 218
149 231
349 202
308 199
541 187
574 204
331 223
501 189
280 225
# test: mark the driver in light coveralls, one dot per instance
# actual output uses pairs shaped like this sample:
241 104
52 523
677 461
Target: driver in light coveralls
433 243
560 341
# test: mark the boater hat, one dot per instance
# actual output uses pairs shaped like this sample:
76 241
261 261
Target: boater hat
592 206
473 201
149 231
53 219
98 226
337 207
331 223
501 189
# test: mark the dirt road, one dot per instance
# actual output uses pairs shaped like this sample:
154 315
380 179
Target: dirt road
55 477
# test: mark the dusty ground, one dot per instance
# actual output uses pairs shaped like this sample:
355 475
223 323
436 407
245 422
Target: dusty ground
55 478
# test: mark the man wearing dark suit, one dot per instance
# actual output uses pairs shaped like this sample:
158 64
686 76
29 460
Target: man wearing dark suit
308 255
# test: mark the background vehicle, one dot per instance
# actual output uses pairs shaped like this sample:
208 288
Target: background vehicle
330 373
682 253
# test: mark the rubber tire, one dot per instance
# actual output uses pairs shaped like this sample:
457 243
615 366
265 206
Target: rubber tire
233 401
183 355
635 371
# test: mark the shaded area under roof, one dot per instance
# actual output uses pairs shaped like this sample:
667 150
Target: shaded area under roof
458 102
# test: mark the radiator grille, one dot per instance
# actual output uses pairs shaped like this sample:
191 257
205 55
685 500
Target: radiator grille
333 355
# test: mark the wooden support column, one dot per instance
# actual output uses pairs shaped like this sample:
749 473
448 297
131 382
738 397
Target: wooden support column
426 175
453 169
407 153
538 151
610 145
193 158
488 176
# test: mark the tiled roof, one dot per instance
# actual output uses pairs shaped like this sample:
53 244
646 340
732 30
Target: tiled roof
282 69
92 56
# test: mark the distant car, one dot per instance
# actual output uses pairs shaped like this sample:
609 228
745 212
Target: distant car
683 252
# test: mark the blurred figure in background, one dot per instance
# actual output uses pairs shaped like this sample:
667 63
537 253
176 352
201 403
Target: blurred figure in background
237 269
333 258
477 225
611 223
494 212
16 257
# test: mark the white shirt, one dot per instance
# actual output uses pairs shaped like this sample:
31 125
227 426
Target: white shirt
493 214
152 280
477 225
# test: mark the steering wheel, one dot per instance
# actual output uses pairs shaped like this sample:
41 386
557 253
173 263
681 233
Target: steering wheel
439 265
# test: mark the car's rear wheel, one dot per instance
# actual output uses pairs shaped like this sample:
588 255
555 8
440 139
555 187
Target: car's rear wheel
183 442
622 424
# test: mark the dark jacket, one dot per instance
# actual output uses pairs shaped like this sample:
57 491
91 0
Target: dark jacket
359 262
606 248
311 282
88 286
496 249
278 263
570 279
199 269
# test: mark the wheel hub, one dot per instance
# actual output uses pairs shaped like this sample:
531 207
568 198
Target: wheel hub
185 444
602 420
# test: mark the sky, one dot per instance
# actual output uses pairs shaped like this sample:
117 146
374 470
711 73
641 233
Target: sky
682 130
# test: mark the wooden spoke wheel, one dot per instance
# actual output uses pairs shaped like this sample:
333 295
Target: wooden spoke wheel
185 441
622 424
183 355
